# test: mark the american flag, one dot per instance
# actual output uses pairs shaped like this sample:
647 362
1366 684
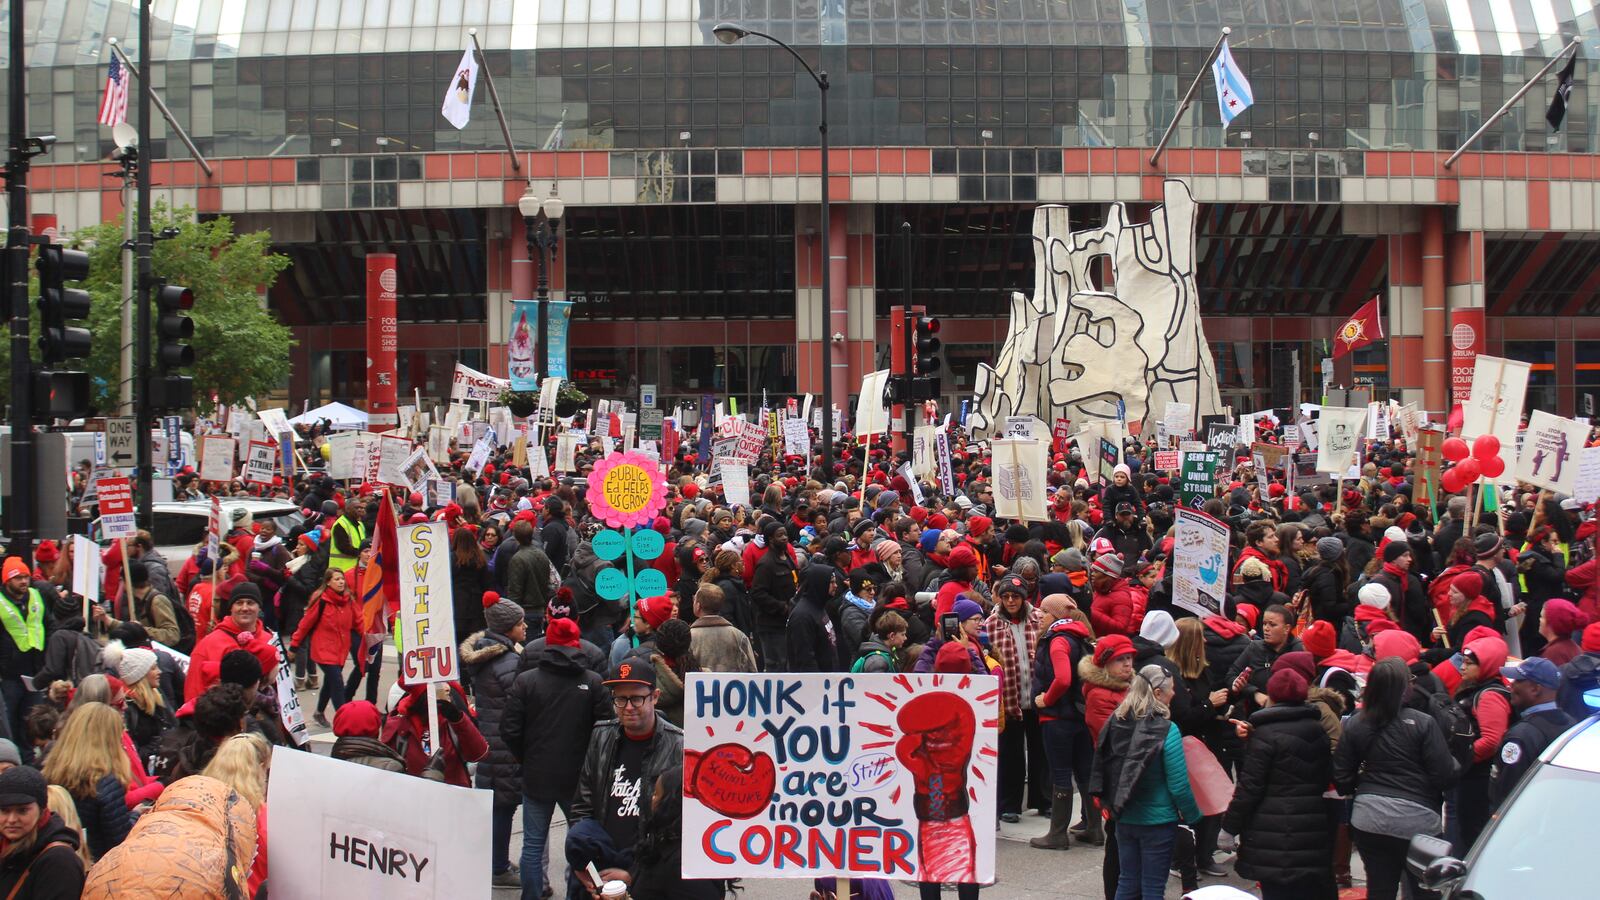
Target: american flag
114 103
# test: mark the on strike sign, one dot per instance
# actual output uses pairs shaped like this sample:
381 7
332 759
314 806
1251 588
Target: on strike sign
427 626
116 508
800 776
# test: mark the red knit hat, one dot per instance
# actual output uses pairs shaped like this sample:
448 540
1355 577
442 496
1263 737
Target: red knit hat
1320 639
562 633
691 490
961 556
655 610
490 598
953 659
1591 638
1110 647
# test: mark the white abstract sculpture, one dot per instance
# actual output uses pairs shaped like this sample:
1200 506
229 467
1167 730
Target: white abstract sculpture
1074 351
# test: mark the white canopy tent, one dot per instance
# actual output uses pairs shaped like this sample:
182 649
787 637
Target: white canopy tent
343 417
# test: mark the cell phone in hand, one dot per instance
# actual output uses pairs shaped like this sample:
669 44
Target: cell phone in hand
1243 679
950 626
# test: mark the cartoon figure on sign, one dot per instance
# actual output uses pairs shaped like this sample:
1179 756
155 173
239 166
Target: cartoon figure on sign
520 349
1559 446
730 779
937 745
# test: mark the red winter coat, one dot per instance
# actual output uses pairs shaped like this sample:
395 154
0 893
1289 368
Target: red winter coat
205 664
329 621
460 741
1280 572
1115 611
1583 578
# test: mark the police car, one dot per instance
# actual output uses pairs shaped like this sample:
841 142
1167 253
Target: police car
1538 844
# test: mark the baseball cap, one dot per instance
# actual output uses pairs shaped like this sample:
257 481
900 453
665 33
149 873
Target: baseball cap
1536 669
633 670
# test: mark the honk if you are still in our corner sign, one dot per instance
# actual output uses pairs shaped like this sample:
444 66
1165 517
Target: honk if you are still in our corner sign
867 776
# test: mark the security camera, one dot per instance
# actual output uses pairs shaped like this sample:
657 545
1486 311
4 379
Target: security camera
838 337
125 154
38 146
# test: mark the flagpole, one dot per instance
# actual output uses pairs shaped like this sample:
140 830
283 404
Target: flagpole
494 95
1569 48
1188 97
165 113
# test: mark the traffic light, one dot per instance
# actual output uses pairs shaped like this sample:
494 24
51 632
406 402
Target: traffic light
170 390
59 304
926 363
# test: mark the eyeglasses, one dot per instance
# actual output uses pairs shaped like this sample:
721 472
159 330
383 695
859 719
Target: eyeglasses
637 701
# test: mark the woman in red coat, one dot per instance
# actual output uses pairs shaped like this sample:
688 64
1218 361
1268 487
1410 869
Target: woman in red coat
460 742
330 621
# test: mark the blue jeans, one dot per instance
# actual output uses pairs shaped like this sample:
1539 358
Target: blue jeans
535 839
1069 751
1145 853
501 819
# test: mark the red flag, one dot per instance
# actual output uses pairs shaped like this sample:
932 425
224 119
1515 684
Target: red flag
1362 329
380 583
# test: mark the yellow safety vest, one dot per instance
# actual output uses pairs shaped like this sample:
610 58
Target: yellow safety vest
357 532
28 635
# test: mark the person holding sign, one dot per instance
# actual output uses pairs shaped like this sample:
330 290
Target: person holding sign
460 742
625 758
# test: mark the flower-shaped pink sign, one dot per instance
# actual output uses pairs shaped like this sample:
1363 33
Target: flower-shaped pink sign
627 489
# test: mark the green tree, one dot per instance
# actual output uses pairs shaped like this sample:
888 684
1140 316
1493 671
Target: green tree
240 350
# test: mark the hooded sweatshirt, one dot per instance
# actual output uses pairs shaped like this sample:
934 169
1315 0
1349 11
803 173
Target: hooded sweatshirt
813 645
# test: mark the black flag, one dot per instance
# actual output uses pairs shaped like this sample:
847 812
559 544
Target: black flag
1558 103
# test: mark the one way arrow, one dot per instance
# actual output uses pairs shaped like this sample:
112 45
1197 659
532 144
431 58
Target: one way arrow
121 456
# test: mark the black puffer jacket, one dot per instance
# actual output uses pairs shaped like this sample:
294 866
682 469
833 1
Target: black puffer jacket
550 713
1277 809
52 867
1405 757
1225 641
467 584
1188 715
1325 586
489 663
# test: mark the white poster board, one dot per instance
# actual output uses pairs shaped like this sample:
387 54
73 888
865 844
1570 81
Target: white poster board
1548 457
1494 377
260 464
85 569
735 483
274 420
418 470
439 444
872 417
216 458
393 452
289 711
1021 469
1339 431
796 438
1587 488
909 762
427 628
341 829
470 384
1200 562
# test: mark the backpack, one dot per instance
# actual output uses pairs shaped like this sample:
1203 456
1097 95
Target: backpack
180 612
1469 711
861 663
1460 730
1577 678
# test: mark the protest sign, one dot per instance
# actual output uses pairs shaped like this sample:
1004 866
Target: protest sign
1222 436
1338 429
1197 477
796 438
260 463
872 417
912 480
1178 417
1269 456
418 469
1499 387
1020 479
752 439
1425 475
923 462
735 483
470 384
438 443
216 458
1547 452
626 489
341 829
85 569
1060 435
1200 563
441 491
115 498
480 452
1587 488
1166 460
865 776
1378 422
1107 458
947 479
294 719
393 455
427 629
273 420
1022 428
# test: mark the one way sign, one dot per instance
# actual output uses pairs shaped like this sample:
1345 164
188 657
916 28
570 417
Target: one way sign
121 449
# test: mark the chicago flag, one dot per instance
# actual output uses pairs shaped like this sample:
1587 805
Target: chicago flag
1233 89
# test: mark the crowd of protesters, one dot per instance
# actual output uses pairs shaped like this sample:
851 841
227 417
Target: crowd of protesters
1375 671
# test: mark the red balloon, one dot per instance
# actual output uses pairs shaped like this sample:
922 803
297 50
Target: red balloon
1454 449
1468 470
1492 466
1451 482
1485 446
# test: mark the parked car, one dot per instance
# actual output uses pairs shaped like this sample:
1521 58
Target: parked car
180 526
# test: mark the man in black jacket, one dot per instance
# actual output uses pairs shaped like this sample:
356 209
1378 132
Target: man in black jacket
1539 722
549 716
772 590
625 757
813 643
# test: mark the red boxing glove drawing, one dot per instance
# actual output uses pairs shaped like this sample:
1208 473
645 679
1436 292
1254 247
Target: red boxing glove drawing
936 748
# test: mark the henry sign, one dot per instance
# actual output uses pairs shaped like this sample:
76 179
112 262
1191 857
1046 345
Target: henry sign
868 776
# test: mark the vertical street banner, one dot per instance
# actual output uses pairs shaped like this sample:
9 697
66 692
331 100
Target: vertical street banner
1197 477
383 340
1199 562
1549 452
520 365
858 776
341 829
558 315
427 626
1466 342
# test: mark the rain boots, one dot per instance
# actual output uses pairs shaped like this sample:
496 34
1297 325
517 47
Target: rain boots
1090 828
1060 815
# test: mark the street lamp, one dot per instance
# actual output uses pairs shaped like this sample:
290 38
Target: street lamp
540 219
729 33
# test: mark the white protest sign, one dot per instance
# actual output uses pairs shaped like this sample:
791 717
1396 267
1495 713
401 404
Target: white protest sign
1546 457
439 444
393 452
1378 422
1020 473
566 452
1178 417
872 417
417 470
480 452
274 420
442 491
1494 377
1339 429
341 453
1587 489
470 384
114 497
294 719
796 438
216 458
911 479
85 569
341 829
907 763
260 463
922 450
1200 562
1022 428
427 629
735 483
538 459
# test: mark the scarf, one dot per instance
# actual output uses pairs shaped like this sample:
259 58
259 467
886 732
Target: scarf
1399 573
1003 644
860 603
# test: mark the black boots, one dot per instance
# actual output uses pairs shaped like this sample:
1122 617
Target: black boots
1060 815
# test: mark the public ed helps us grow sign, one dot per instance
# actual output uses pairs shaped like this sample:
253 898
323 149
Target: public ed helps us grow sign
868 776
